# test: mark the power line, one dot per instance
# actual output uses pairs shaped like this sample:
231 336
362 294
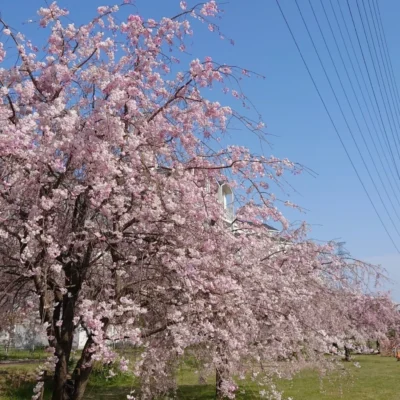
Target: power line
383 58
373 106
370 80
341 109
379 66
386 49
358 103
334 126
361 90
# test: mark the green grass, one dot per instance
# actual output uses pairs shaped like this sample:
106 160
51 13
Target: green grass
377 379
17 354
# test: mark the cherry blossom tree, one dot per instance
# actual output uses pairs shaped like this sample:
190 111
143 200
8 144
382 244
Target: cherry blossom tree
109 217
303 298
370 317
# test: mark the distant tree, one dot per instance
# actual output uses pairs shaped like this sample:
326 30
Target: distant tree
369 316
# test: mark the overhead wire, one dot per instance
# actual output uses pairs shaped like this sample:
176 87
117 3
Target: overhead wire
380 75
335 126
358 103
341 108
373 92
382 58
386 53
345 41
374 104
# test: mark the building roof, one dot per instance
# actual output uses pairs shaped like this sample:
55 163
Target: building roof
269 227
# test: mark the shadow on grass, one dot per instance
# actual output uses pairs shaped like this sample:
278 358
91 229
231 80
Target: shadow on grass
185 392
23 392
196 392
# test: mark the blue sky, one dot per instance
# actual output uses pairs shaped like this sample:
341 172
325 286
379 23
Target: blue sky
296 120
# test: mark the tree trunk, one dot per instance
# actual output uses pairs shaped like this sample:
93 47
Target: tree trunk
84 367
82 372
347 354
218 383
221 372
64 336
72 388
60 378
81 383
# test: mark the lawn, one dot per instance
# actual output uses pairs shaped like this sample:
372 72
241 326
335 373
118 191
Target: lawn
18 354
377 379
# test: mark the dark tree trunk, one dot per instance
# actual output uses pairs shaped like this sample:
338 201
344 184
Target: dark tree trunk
63 352
221 372
64 335
73 387
82 372
83 369
81 383
347 354
65 388
60 379
218 383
